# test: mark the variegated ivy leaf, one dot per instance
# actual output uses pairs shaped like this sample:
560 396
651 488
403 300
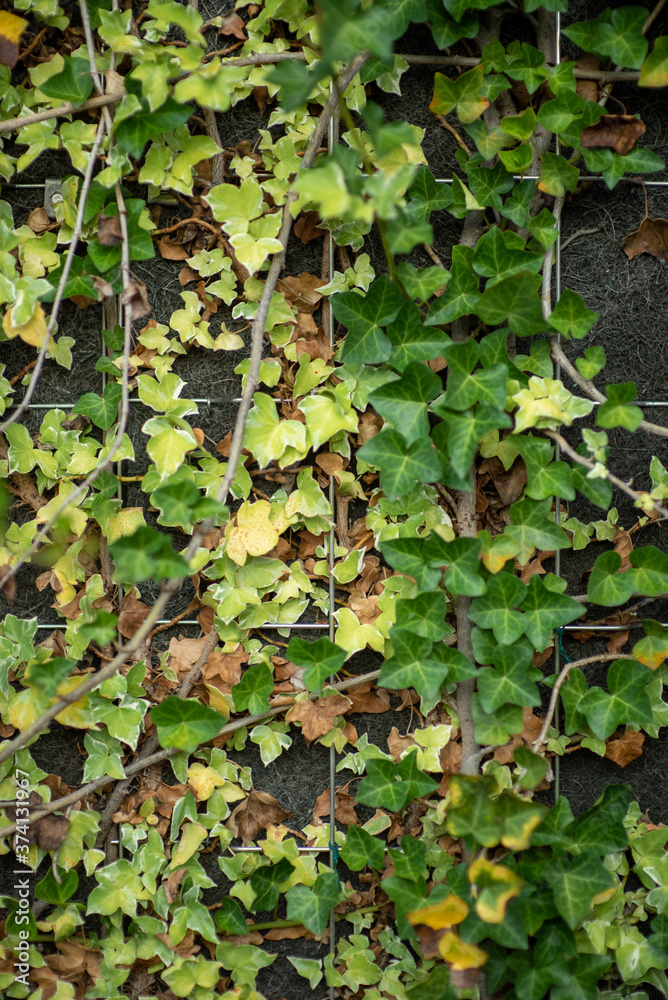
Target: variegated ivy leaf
546 403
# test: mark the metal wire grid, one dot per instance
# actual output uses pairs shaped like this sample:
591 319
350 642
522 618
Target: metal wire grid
329 626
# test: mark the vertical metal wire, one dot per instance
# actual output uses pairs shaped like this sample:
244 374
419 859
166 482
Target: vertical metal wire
327 310
557 375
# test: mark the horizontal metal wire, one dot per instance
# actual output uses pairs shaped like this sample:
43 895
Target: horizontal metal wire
167 621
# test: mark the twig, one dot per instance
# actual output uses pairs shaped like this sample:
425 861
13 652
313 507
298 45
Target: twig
60 290
102 101
603 658
169 587
591 390
90 45
433 255
24 371
652 16
454 133
152 743
160 755
546 290
615 480
582 232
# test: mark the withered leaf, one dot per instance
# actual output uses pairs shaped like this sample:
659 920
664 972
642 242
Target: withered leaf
233 25
617 132
306 227
171 251
135 299
133 614
258 811
317 717
103 288
650 237
11 29
38 221
49 831
108 230
625 749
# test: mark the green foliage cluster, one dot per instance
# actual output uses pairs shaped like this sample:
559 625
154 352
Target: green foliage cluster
425 380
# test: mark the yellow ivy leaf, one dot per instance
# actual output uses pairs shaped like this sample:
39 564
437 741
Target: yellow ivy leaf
452 910
203 779
33 332
11 29
217 700
251 532
496 885
651 651
497 551
79 715
126 522
26 707
192 836
227 340
520 841
603 897
460 955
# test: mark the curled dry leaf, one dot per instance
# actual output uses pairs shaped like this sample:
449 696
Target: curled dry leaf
258 811
171 251
317 717
650 237
617 132
233 25
135 299
133 615
38 221
102 287
49 831
625 749
108 230
306 227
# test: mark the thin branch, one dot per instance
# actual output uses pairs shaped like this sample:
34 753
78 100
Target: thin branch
169 587
592 391
155 758
60 290
152 743
13 124
576 664
652 16
615 480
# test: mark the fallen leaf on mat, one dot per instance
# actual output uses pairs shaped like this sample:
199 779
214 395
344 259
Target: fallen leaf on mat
625 749
617 132
257 812
317 717
650 237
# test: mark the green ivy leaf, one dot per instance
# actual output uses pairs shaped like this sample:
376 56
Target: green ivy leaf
426 196
575 884
509 682
649 572
363 316
253 690
532 527
545 477
571 317
361 849
423 615
411 341
464 389
545 610
533 766
312 906
462 93
74 82
102 259
616 412
499 255
321 658
146 555
417 783
57 892
382 786
185 723
462 294
102 410
557 175
462 557
514 301
229 917
600 830
459 435
410 665
626 700
606 585
413 557
400 464
404 402
592 363
134 132
411 861
495 608
654 72
265 884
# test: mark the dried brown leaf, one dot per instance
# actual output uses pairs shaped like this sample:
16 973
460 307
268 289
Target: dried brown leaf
626 748
397 744
109 230
651 237
171 251
135 299
38 221
617 132
258 811
301 291
233 25
317 717
133 614
306 227
102 287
